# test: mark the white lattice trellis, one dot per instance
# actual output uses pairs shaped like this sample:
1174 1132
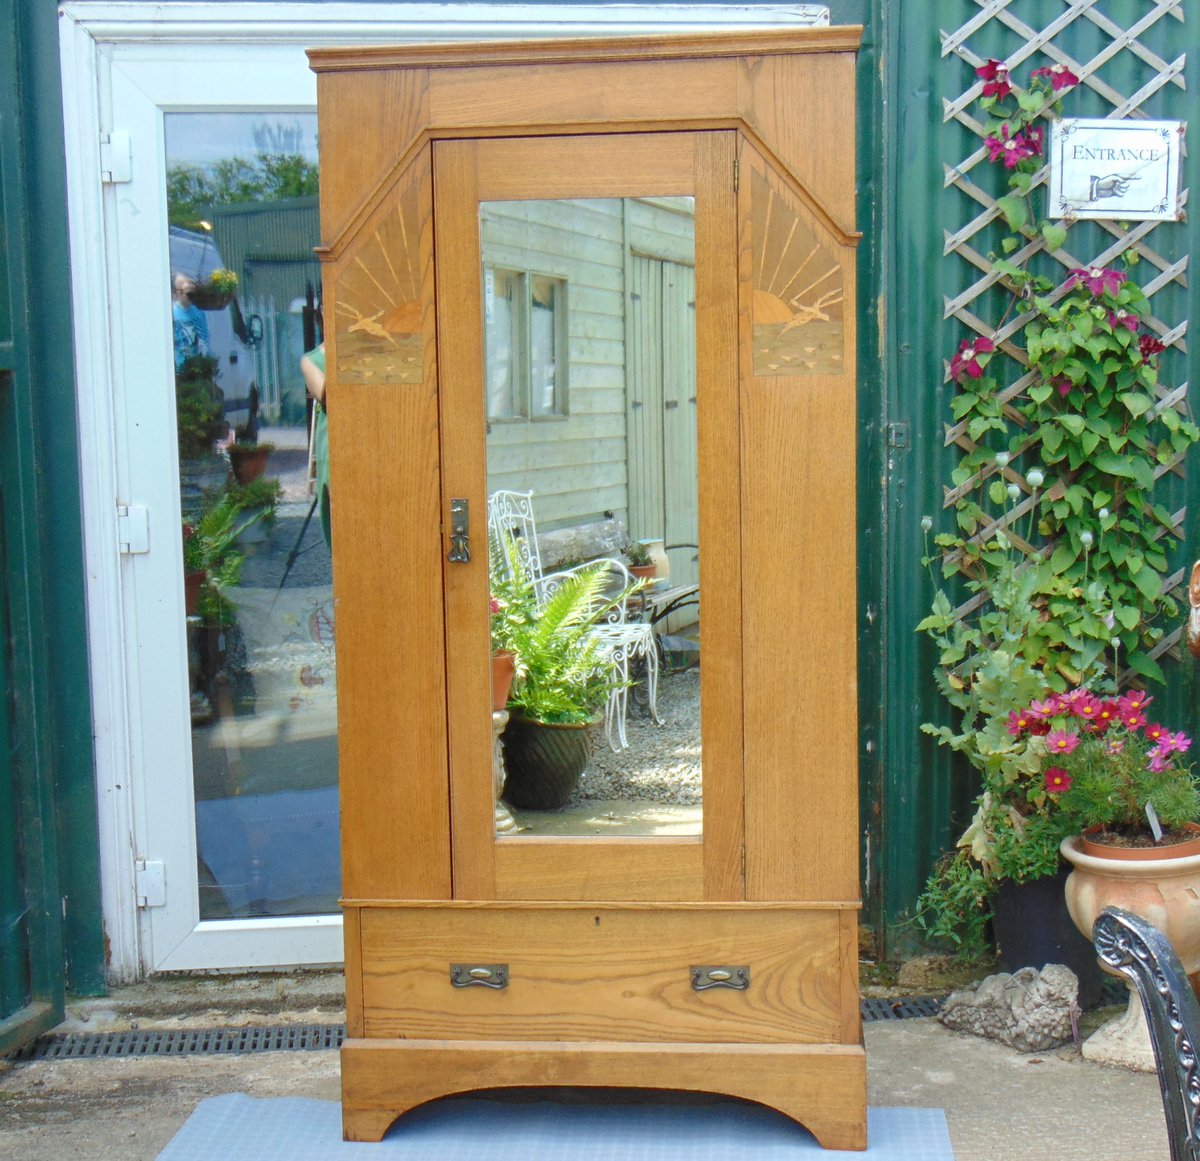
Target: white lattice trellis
1049 45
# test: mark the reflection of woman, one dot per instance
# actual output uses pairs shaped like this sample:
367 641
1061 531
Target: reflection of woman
190 325
312 367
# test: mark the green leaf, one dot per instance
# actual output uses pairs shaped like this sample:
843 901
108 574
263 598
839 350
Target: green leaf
1136 403
1055 236
1064 556
1147 582
1015 212
1128 615
1073 423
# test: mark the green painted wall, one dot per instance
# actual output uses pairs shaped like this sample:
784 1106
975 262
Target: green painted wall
49 765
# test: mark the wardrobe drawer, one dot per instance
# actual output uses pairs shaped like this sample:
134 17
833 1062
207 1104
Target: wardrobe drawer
611 973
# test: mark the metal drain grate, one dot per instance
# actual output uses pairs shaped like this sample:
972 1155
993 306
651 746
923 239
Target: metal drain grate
294 1037
184 1042
905 1009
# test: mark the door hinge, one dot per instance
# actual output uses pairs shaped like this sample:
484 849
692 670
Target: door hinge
150 883
116 157
133 528
737 168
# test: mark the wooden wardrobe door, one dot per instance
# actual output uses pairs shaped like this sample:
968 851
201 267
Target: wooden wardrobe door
467 174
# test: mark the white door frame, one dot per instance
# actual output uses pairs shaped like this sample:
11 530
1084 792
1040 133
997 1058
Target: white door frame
146 57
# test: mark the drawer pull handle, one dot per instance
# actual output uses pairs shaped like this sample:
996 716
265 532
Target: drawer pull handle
482 975
737 978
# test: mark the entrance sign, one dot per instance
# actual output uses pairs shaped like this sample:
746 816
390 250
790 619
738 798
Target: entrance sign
1115 169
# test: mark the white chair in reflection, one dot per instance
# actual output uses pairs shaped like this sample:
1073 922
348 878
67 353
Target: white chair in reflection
511 521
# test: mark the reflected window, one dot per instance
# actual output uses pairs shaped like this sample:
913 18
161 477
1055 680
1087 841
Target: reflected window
525 326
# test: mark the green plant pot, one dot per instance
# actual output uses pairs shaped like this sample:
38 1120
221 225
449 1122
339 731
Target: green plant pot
544 761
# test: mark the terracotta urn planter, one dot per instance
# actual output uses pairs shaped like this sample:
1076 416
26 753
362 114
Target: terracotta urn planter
644 571
1163 889
503 664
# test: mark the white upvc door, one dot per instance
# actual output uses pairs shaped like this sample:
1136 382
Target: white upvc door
126 66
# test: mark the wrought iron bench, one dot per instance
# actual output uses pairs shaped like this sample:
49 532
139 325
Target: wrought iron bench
1127 944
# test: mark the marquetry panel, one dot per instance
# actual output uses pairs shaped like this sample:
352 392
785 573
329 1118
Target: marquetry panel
799 287
377 310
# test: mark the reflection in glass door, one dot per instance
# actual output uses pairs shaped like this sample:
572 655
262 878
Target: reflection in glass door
241 191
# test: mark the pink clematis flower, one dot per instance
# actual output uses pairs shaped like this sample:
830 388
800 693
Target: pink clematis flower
995 77
1011 150
1063 385
1149 346
1059 75
967 359
1057 780
1061 741
1097 280
1123 318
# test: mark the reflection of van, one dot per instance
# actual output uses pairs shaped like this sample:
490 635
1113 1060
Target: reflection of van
229 340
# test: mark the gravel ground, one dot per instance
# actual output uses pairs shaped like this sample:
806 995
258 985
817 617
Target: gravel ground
662 763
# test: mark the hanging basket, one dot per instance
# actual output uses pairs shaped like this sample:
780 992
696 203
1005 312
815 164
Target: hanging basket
211 297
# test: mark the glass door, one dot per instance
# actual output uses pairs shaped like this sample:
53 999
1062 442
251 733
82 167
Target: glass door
589 419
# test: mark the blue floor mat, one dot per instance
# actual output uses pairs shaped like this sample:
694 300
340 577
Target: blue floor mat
484 1129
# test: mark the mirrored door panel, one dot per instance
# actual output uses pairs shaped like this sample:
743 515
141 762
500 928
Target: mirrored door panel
589 393
590 424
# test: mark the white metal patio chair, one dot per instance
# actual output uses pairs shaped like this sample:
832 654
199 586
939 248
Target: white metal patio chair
510 518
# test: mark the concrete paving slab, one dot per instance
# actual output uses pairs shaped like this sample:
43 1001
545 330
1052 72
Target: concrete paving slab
999 1104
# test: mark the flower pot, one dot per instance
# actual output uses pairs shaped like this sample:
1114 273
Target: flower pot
1090 845
544 761
1033 927
248 463
644 571
502 678
1165 891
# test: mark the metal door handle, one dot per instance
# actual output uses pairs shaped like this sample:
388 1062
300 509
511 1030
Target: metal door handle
460 532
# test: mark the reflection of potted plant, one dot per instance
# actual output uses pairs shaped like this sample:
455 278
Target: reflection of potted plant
503 658
248 459
216 291
256 503
641 563
564 676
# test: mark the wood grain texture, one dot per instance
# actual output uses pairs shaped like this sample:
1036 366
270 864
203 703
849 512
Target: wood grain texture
601 95
395 106
352 970
798 545
670 869
619 976
464 460
822 1087
680 47
803 109
718 453
392 746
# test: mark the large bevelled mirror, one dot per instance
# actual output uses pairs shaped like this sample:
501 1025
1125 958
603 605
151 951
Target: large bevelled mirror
589 396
